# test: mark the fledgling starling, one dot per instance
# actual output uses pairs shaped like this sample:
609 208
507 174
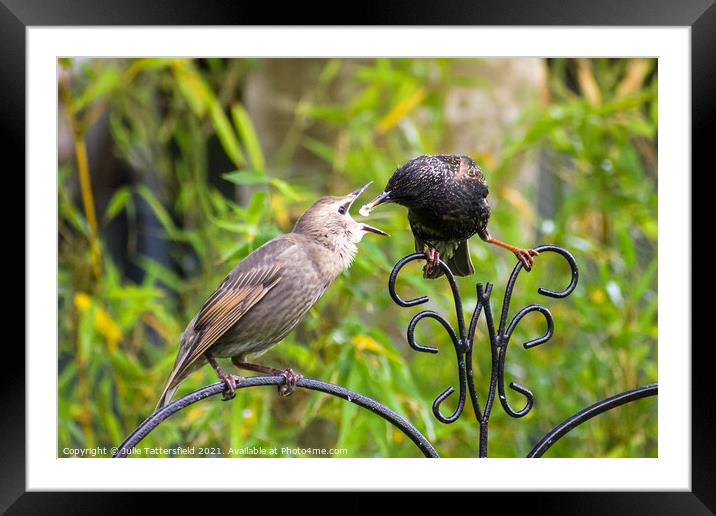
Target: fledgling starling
446 197
268 293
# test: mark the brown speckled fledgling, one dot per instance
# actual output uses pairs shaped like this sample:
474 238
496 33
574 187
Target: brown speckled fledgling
446 197
268 293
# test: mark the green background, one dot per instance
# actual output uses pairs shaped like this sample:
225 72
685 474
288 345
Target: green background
195 167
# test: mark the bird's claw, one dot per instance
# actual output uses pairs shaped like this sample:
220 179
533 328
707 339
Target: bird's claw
526 256
231 381
291 379
433 260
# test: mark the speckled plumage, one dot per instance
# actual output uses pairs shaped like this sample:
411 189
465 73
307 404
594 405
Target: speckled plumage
446 197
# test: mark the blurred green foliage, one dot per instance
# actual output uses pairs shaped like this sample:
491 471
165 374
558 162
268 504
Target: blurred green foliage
596 128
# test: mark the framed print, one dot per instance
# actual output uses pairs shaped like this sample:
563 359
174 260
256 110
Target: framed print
241 209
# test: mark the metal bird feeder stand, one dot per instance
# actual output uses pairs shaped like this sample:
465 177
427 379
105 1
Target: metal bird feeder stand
463 342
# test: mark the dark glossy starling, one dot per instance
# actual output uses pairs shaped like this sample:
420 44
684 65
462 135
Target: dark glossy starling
268 293
446 197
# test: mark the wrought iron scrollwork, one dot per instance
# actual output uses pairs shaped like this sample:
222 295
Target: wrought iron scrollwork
463 340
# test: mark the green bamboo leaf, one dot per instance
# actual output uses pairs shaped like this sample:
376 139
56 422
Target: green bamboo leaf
375 255
335 114
654 111
151 63
341 368
646 322
295 353
162 214
320 149
238 248
192 87
626 246
640 127
226 134
66 376
156 270
256 207
286 189
645 280
70 214
87 332
265 415
117 203
202 99
252 177
246 177
101 86
348 413
233 226
127 367
246 130
111 425
236 423
329 71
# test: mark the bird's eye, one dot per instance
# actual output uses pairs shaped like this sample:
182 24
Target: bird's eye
342 210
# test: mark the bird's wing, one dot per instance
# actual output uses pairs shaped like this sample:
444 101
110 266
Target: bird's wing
237 294
240 291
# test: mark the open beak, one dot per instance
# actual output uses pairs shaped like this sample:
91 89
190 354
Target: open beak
380 199
354 195
365 227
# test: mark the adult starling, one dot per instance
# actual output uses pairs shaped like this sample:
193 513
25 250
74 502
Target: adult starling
268 293
446 197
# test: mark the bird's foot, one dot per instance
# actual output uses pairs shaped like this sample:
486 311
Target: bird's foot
231 381
433 261
292 378
526 256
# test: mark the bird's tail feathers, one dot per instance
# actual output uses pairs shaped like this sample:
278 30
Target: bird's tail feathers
177 376
167 395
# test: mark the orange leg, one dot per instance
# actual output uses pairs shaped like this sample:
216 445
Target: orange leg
526 256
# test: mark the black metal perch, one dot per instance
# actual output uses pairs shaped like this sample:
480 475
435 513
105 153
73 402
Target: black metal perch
588 413
159 416
463 340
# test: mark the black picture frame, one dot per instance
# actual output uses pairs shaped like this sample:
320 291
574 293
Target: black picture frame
700 15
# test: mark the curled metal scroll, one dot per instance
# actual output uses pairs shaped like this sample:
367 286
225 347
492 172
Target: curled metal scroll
499 338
